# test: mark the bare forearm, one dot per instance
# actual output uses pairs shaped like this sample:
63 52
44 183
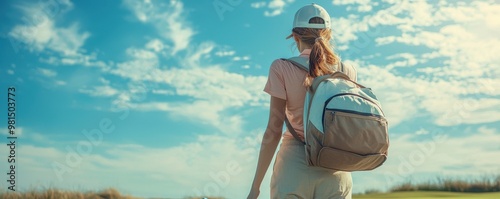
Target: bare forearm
268 147
269 144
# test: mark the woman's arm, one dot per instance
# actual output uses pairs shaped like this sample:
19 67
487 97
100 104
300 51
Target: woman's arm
270 141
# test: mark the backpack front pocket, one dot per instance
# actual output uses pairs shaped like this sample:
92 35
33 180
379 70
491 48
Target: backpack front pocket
355 132
340 160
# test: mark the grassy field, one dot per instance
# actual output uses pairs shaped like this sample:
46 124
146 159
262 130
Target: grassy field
487 187
113 194
471 188
59 194
431 195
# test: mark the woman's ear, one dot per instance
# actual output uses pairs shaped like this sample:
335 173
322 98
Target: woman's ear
297 41
296 38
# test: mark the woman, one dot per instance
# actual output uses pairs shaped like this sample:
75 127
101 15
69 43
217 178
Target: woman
287 85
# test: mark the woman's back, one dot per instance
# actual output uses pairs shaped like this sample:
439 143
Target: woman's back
292 177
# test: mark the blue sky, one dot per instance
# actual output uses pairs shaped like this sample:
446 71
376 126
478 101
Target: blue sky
164 98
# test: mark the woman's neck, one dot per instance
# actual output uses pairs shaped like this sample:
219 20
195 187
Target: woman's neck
301 46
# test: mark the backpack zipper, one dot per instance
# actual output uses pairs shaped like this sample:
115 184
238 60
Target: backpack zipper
354 112
342 94
333 117
379 118
362 97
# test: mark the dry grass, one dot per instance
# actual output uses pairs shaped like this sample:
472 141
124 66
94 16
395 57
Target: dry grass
443 185
58 194
485 184
429 195
195 198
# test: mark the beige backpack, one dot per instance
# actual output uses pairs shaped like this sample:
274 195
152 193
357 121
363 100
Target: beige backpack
344 126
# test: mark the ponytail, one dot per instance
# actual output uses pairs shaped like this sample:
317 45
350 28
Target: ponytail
322 56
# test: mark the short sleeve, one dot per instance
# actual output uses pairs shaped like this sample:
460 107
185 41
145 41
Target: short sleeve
351 71
275 85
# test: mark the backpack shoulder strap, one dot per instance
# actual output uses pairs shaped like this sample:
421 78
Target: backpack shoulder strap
302 64
292 130
299 62
318 81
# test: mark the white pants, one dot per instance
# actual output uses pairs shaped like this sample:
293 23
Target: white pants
293 179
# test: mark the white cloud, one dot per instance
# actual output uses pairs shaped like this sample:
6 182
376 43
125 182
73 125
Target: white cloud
202 111
446 102
408 60
463 28
215 84
451 73
209 87
198 56
142 65
459 46
41 32
346 29
10 71
212 90
453 111
67 3
89 60
274 7
47 72
155 45
45 35
244 58
163 92
423 157
103 90
60 83
405 15
18 131
49 76
395 93
141 54
224 161
259 4
40 138
225 53
100 91
363 5
168 19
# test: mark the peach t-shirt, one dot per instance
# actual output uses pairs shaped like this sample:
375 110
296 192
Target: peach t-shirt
286 81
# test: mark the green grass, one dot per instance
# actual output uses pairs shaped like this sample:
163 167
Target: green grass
486 187
430 195
473 185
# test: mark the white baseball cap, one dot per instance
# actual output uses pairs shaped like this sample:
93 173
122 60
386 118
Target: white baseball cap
306 13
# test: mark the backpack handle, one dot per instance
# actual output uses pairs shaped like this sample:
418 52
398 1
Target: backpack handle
344 76
337 74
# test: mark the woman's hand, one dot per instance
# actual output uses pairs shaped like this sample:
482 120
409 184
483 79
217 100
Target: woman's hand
254 194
